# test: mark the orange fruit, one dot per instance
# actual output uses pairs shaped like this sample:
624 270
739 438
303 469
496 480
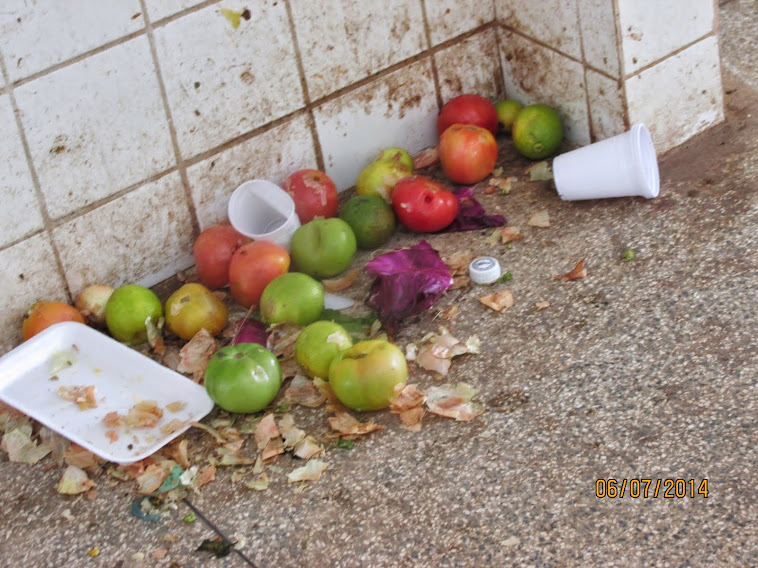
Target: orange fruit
44 314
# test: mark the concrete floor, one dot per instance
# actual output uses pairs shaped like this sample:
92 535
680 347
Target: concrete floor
644 369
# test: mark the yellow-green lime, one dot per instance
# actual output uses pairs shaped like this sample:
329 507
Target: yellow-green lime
371 219
506 113
537 131
127 311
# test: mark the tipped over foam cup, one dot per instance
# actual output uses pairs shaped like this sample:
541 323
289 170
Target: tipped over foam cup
622 166
263 211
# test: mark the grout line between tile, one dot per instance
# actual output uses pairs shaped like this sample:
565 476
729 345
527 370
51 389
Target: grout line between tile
435 72
181 167
40 198
670 55
317 150
622 66
584 74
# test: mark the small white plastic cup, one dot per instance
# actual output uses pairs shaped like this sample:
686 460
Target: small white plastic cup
263 211
622 166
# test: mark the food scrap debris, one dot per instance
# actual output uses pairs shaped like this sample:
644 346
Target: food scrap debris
542 305
334 285
437 350
408 405
74 481
454 402
144 414
471 215
510 235
155 335
575 273
348 426
196 353
629 254
21 447
83 396
498 301
425 158
540 219
302 391
541 171
61 360
500 183
235 17
218 546
312 471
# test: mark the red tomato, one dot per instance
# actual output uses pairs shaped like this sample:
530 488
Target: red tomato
423 205
44 314
253 266
467 153
314 193
468 109
213 251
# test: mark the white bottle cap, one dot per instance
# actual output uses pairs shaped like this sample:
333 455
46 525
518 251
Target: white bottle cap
484 270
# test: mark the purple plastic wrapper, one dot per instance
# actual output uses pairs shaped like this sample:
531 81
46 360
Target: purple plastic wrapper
471 215
408 281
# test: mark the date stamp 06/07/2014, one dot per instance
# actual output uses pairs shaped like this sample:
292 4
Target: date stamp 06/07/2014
641 488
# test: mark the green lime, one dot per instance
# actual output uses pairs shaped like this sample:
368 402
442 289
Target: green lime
371 218
537 131
294 297
506 113
127 311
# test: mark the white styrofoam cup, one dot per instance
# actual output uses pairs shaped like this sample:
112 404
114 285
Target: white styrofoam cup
263 211
621 166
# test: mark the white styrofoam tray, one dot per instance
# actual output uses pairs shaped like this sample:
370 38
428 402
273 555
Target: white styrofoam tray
30 376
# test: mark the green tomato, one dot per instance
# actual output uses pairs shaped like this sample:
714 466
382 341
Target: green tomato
318 344
243 378
364 376
323 248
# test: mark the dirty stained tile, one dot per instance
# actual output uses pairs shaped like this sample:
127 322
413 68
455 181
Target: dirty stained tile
470 66
398 110
222 82
272 155
342 41
650 30
598 25
536 74
96 127
553 22
450 18
144 236
606 106
159 9
37 35
20 214
29 273
680 96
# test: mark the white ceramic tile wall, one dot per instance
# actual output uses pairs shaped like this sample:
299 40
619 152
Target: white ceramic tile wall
222 82
29 273
19 214
159 9
68 28
96 127
599 41
537 74
343 41
272 155
144 236
651 29
680 96
471 66
450 18
553 22
398 110
606 101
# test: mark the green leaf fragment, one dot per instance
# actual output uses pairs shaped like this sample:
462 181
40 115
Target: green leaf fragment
345 444
190 518
629 254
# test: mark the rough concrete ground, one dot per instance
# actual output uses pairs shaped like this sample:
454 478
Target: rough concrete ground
644 369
